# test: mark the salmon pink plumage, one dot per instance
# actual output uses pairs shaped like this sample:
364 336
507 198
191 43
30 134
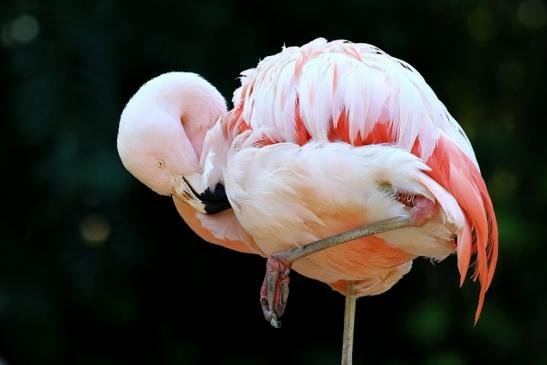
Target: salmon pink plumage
340 162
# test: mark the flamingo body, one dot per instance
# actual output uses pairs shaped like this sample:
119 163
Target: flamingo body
322 138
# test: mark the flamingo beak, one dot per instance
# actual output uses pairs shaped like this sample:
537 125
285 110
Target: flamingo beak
186 192
207 201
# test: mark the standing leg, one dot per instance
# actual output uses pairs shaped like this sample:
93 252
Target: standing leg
349 320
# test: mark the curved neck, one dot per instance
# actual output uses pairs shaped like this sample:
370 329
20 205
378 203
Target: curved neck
195 103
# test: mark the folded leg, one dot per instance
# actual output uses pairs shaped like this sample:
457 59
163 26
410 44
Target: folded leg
275 288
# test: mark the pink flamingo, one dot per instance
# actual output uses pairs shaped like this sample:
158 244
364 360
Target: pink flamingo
337 161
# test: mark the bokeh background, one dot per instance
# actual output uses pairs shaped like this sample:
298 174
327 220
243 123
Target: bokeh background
96 269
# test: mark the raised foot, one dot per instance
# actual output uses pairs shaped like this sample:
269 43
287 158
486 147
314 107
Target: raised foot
422 211
275 289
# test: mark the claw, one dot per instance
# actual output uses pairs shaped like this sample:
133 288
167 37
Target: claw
275 290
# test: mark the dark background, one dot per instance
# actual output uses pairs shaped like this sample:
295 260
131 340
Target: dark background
97 269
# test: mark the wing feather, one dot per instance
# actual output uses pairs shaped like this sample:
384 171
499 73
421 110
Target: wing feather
358 94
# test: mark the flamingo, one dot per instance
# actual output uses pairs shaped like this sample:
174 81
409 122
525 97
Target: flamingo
337 161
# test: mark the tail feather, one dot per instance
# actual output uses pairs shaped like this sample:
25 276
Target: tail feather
451 168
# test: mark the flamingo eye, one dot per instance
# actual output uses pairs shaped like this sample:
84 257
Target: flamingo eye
160 164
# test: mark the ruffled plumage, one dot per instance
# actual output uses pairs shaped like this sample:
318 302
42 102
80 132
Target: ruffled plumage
341 92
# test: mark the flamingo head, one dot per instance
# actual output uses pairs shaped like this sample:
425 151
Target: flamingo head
162 129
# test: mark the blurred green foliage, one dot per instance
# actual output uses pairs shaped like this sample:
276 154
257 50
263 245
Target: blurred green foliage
96 269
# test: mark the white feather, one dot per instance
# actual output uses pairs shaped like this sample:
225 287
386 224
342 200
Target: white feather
371 85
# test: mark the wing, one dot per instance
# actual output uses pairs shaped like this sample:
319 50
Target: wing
356 93
287 195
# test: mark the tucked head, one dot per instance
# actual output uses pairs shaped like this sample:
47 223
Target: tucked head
162 129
